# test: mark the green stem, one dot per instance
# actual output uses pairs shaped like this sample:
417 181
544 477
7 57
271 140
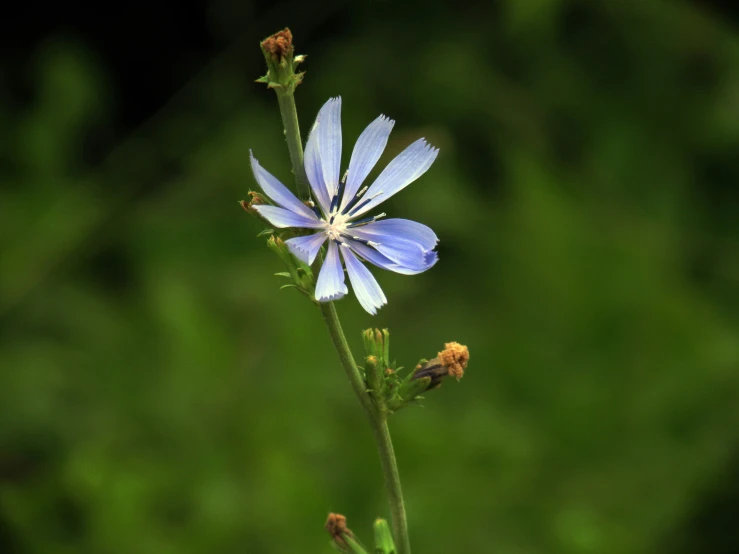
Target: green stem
294 144
392 482
345 356
380 430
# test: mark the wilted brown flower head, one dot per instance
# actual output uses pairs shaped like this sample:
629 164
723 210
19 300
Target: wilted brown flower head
336 527
455 357
256 199
279 45
451 361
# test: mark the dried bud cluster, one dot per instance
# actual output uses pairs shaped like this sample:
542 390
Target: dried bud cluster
256 199
279 53
279 46
392 391
455 357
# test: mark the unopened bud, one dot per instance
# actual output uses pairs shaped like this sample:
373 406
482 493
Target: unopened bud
383 538
377 343
377 365
300 273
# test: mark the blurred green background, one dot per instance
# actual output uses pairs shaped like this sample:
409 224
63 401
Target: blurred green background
160 394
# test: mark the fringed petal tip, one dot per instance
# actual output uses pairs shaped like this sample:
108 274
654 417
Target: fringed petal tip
306 248
333 297
405 168
330 284
365 286
430 258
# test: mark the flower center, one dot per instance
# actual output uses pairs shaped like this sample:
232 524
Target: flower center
336 226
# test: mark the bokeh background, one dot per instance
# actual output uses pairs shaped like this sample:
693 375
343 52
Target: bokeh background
160 394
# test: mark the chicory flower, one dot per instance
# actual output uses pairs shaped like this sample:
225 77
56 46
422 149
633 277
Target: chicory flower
339 212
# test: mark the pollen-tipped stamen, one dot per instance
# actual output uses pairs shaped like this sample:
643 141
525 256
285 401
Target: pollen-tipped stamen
354 200
365 220
312 206
364 203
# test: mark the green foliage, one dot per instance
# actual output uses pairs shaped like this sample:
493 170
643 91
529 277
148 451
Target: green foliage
158 394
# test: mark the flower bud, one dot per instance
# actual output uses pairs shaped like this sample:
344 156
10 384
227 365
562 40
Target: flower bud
383 538
299 272
379 375
377 344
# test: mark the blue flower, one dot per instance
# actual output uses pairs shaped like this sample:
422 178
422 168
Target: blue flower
338 214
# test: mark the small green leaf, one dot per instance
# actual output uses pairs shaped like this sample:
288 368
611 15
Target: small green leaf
283 274
266 232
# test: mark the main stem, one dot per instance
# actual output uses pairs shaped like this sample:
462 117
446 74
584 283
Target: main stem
380 430
392 483
378 420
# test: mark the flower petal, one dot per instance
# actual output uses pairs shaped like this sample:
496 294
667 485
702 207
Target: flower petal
402 252
312 164
280 217
330 285
368 149
365 286
328 128
407 166
277 191
406 229
306 248
380 260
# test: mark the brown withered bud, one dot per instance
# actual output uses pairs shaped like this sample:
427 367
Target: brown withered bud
455 358
279 46
336 527
451 362
279 54
256 199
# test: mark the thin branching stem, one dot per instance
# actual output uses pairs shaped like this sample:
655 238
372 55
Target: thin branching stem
289 115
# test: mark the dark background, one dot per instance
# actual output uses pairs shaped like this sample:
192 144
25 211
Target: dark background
159 393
